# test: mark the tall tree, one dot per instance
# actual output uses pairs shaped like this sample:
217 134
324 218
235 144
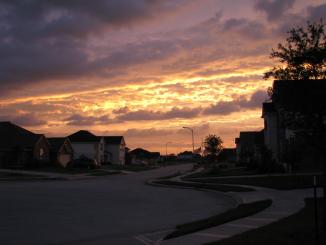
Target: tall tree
303 56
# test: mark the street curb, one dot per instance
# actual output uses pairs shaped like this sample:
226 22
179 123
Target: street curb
237 199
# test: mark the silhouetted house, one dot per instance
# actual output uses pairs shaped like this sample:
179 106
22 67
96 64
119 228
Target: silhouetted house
272 130
141 156
61 151
185 156
21 148
87 145
228 155
292 119
249 146
114 150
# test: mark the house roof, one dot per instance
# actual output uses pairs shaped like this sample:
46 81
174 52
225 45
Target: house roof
252 137
113 139
185 153
139 152
300 95
83 136
56 143
15 136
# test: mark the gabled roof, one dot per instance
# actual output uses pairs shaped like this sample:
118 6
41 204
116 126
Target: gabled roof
113 139
56 143
252 137
15 136
306 96
83 136
141 153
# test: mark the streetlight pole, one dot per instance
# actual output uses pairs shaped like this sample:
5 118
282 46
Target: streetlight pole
192 136
166 148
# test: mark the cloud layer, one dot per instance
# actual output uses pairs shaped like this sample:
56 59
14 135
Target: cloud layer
143 68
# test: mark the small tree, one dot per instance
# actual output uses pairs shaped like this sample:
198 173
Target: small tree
213 145
304 54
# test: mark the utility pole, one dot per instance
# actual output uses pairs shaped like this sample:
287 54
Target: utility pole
192 136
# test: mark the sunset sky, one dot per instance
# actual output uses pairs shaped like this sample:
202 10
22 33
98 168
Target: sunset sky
142 68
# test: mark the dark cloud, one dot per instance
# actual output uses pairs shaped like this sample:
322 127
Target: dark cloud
79 120
274 9
151 132
228 107
222 108
47 40
317 12
255 100
121 110
247 28
29 119
144 115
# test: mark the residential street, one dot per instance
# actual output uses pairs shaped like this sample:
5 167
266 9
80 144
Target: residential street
106 210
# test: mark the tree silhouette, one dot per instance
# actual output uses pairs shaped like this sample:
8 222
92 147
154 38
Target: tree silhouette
300 99
213 145
303 55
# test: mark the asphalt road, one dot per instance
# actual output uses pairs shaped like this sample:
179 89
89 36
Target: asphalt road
105 210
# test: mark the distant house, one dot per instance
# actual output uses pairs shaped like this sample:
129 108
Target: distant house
88 145
114 149
304 102
185 156
141 156
61 151
249 146
228 155
20 147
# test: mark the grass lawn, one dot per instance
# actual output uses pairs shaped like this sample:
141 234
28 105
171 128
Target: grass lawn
99 172
61 170
241 211
135 168
216 187
20 176
222 172
274 182
297 229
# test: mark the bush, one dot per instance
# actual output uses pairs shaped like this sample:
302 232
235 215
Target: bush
85 162
268 164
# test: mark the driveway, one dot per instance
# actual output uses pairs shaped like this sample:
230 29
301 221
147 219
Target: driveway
105 210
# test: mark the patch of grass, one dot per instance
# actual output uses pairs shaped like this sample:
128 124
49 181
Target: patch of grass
216 187
103 173
24 177
135 168
219 172
61 170
286 182
241 211
297 229
14 175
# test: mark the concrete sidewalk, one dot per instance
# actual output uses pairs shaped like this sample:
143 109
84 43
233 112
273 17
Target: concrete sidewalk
285 203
